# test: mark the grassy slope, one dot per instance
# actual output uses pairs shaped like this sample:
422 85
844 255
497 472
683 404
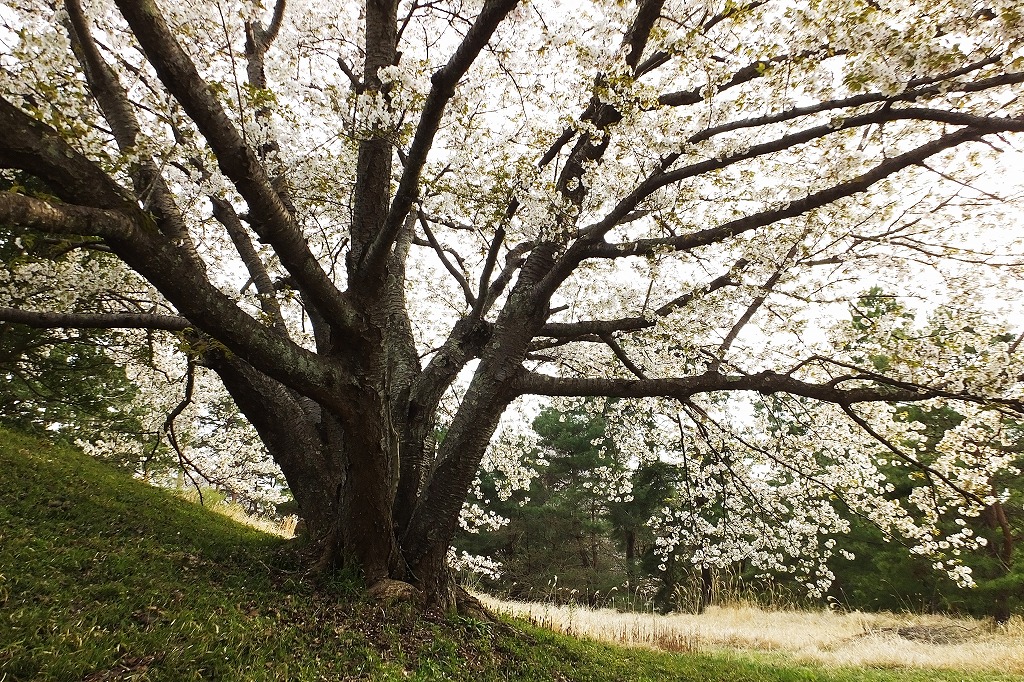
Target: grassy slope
103 578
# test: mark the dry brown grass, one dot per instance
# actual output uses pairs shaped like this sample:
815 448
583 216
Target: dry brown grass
832 638
284 528
236 512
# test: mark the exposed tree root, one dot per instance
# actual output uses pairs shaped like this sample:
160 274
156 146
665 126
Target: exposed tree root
469 606
388 590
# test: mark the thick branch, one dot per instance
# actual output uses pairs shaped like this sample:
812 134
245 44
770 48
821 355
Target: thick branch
916 89
748 73
583 327
661 57
547 343
662 178
640 32
482 301
813 201
36 148
586 149
464 343
19 210
103 82
514 260
51 320
275 24
683 388
590 147
106 88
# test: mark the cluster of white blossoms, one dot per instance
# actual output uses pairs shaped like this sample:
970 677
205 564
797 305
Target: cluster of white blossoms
779 493
209 444
474 563
78 282
733 509
505 462
621 449
475 518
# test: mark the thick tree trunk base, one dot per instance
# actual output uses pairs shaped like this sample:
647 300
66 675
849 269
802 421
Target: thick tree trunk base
463 603
434 590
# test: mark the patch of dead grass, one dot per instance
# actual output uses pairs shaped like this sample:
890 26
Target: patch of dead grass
284 528
834 638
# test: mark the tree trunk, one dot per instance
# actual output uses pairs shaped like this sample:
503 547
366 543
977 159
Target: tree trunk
706 589
994 518
630 553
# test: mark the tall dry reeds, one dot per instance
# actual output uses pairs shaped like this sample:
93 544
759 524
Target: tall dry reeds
823 636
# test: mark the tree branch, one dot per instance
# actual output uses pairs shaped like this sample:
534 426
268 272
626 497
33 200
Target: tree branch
916 89
596 327
52 320
647 13
22 211
275 24
594 249
754 306
683 388
109 94
748 73
449 266
722 281
225 214
623 358
482 300
556 342
38 149
600 115
863 424
662 178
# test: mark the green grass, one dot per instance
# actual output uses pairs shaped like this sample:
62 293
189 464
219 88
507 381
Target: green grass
104 578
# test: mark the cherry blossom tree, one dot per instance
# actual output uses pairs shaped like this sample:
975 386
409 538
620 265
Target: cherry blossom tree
377 220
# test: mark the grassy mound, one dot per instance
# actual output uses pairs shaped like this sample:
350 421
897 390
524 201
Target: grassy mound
105 578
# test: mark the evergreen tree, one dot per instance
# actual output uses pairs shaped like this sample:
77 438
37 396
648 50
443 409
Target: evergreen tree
585 517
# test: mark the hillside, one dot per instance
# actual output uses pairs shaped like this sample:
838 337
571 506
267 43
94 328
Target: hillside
105 578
